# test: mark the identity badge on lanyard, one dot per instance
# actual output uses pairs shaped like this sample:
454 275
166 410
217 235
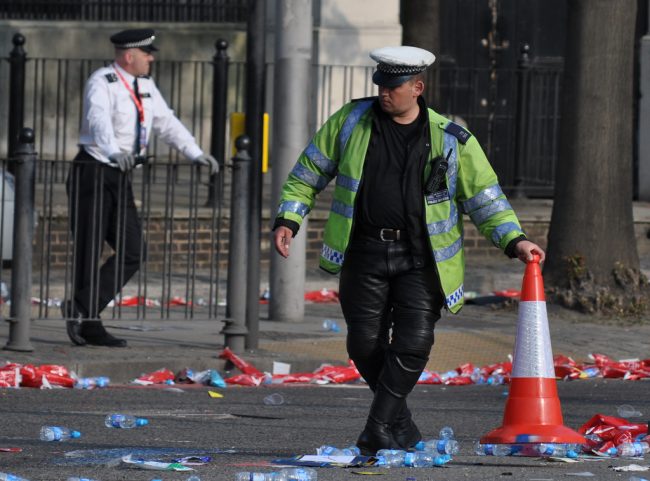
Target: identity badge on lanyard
142 130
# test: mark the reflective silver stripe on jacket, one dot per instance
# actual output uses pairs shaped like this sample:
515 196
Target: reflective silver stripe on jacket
351 121
484 213
332 255
442 226
346 182
503 230
342 209
310 178
449 251
319 159
294 206
484 197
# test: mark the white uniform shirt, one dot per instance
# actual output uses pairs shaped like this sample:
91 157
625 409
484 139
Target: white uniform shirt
109 119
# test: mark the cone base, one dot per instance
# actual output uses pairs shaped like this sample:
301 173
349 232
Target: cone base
515 434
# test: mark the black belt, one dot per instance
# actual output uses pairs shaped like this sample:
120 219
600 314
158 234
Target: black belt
383 233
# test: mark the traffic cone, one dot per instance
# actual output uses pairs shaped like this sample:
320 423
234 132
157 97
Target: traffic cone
533 413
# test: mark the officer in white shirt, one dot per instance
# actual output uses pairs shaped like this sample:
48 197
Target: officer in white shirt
122 107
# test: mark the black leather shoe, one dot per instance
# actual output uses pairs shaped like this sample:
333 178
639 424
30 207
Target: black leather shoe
404 430
374 437
73 322
94 334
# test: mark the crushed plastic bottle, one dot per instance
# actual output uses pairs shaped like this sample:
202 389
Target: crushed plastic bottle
391 458
251 476
627 411
194 477
425 459
297 474
331 325
10 477
489 449
438 446
446 432
74 478
91 382
633 450
327 450
124 421
275 399
446 376
559 450
58 433
495 379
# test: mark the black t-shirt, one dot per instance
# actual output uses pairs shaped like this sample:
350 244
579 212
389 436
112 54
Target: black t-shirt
382 197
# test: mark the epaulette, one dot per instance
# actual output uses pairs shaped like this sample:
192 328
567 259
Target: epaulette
457 131
111 77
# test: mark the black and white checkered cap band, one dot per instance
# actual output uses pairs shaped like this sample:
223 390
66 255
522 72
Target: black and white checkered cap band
140 43
400 69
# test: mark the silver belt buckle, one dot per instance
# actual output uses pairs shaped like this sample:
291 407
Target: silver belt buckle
381 235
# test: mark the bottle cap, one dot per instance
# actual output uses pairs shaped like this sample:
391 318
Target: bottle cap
75 434
141 422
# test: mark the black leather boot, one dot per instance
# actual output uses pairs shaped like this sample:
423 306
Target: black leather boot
96 335
404 430
73 317
377 434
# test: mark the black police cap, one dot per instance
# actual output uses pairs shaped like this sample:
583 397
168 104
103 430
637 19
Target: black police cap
141 38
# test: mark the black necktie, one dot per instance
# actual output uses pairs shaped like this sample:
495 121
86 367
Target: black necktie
138 125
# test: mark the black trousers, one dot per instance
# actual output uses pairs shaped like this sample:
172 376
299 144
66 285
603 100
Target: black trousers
390 308
101 209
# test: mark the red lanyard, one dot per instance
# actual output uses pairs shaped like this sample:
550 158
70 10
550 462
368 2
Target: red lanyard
136 100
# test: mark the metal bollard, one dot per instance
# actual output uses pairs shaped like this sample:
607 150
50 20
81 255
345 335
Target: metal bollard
235 330
21 273
219 101
17 61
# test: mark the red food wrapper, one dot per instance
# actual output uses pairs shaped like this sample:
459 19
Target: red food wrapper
245 380
32 376
459 381
240 364
512 293
161 376
324 295
10 377
560 360
430 377
465 369
299 377
179 301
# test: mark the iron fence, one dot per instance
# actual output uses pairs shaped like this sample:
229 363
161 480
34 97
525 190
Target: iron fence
215 11
181 273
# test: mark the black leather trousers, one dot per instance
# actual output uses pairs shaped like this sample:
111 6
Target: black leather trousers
390 308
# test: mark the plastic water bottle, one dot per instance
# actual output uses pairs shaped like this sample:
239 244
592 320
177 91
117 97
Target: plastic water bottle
250 476
559 450
446 376
10 477
438 446
124 421
58 433
492 449
74 478
194 477
592 371
425 459
630 450
91 382
391 458
446 433
495 379
334 451
331 325
297 474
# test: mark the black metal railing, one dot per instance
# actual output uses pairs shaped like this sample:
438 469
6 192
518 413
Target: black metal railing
215 11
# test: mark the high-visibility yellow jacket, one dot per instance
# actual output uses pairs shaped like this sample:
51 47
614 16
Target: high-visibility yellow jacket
339 149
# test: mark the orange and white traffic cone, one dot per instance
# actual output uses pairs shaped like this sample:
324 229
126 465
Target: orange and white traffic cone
533 413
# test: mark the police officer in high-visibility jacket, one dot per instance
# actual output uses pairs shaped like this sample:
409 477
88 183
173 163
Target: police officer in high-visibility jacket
404 177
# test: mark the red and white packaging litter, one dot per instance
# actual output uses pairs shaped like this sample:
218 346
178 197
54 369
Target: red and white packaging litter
161 376
609 432
10 375
46 376
240 364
